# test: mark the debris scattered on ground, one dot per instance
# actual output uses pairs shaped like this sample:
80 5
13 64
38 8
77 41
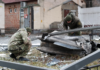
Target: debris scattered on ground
41 59
53 62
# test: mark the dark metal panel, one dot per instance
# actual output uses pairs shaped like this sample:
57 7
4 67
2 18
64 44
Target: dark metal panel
26 21
67 46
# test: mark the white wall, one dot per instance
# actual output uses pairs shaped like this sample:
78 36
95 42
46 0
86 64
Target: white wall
51 16
89 16
82 4
2 16
37 23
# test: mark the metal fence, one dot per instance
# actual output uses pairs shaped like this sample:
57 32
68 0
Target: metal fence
19 66
77 65
96 67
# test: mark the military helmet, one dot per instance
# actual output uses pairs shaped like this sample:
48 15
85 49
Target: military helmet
68 17
28 29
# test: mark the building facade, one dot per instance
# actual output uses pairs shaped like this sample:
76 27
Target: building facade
17 16
54 11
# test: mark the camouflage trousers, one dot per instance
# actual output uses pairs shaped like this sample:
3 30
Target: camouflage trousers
75 34
20 50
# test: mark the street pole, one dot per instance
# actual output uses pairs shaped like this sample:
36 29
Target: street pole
21 15
32 19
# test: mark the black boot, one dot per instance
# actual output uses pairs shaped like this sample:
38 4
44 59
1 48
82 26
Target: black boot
13 56
94 46
23 59
98 45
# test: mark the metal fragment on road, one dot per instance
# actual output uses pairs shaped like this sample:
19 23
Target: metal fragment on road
53 62
65 45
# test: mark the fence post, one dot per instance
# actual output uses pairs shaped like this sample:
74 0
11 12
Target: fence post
83 61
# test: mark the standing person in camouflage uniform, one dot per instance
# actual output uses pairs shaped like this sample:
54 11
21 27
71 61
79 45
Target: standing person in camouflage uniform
72 22
20 44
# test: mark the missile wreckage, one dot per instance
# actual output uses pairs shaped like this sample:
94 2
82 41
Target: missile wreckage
60 43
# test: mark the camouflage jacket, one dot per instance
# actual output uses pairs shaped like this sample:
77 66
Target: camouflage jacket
74 24
20 37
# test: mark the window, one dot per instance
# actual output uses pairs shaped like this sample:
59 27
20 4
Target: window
22 10
15 10
81 1
10 10
89 3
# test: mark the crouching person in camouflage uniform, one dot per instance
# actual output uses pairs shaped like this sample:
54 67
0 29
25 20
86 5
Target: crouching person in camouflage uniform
72 22
20 44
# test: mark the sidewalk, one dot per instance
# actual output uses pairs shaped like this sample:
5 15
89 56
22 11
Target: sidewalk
4 40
